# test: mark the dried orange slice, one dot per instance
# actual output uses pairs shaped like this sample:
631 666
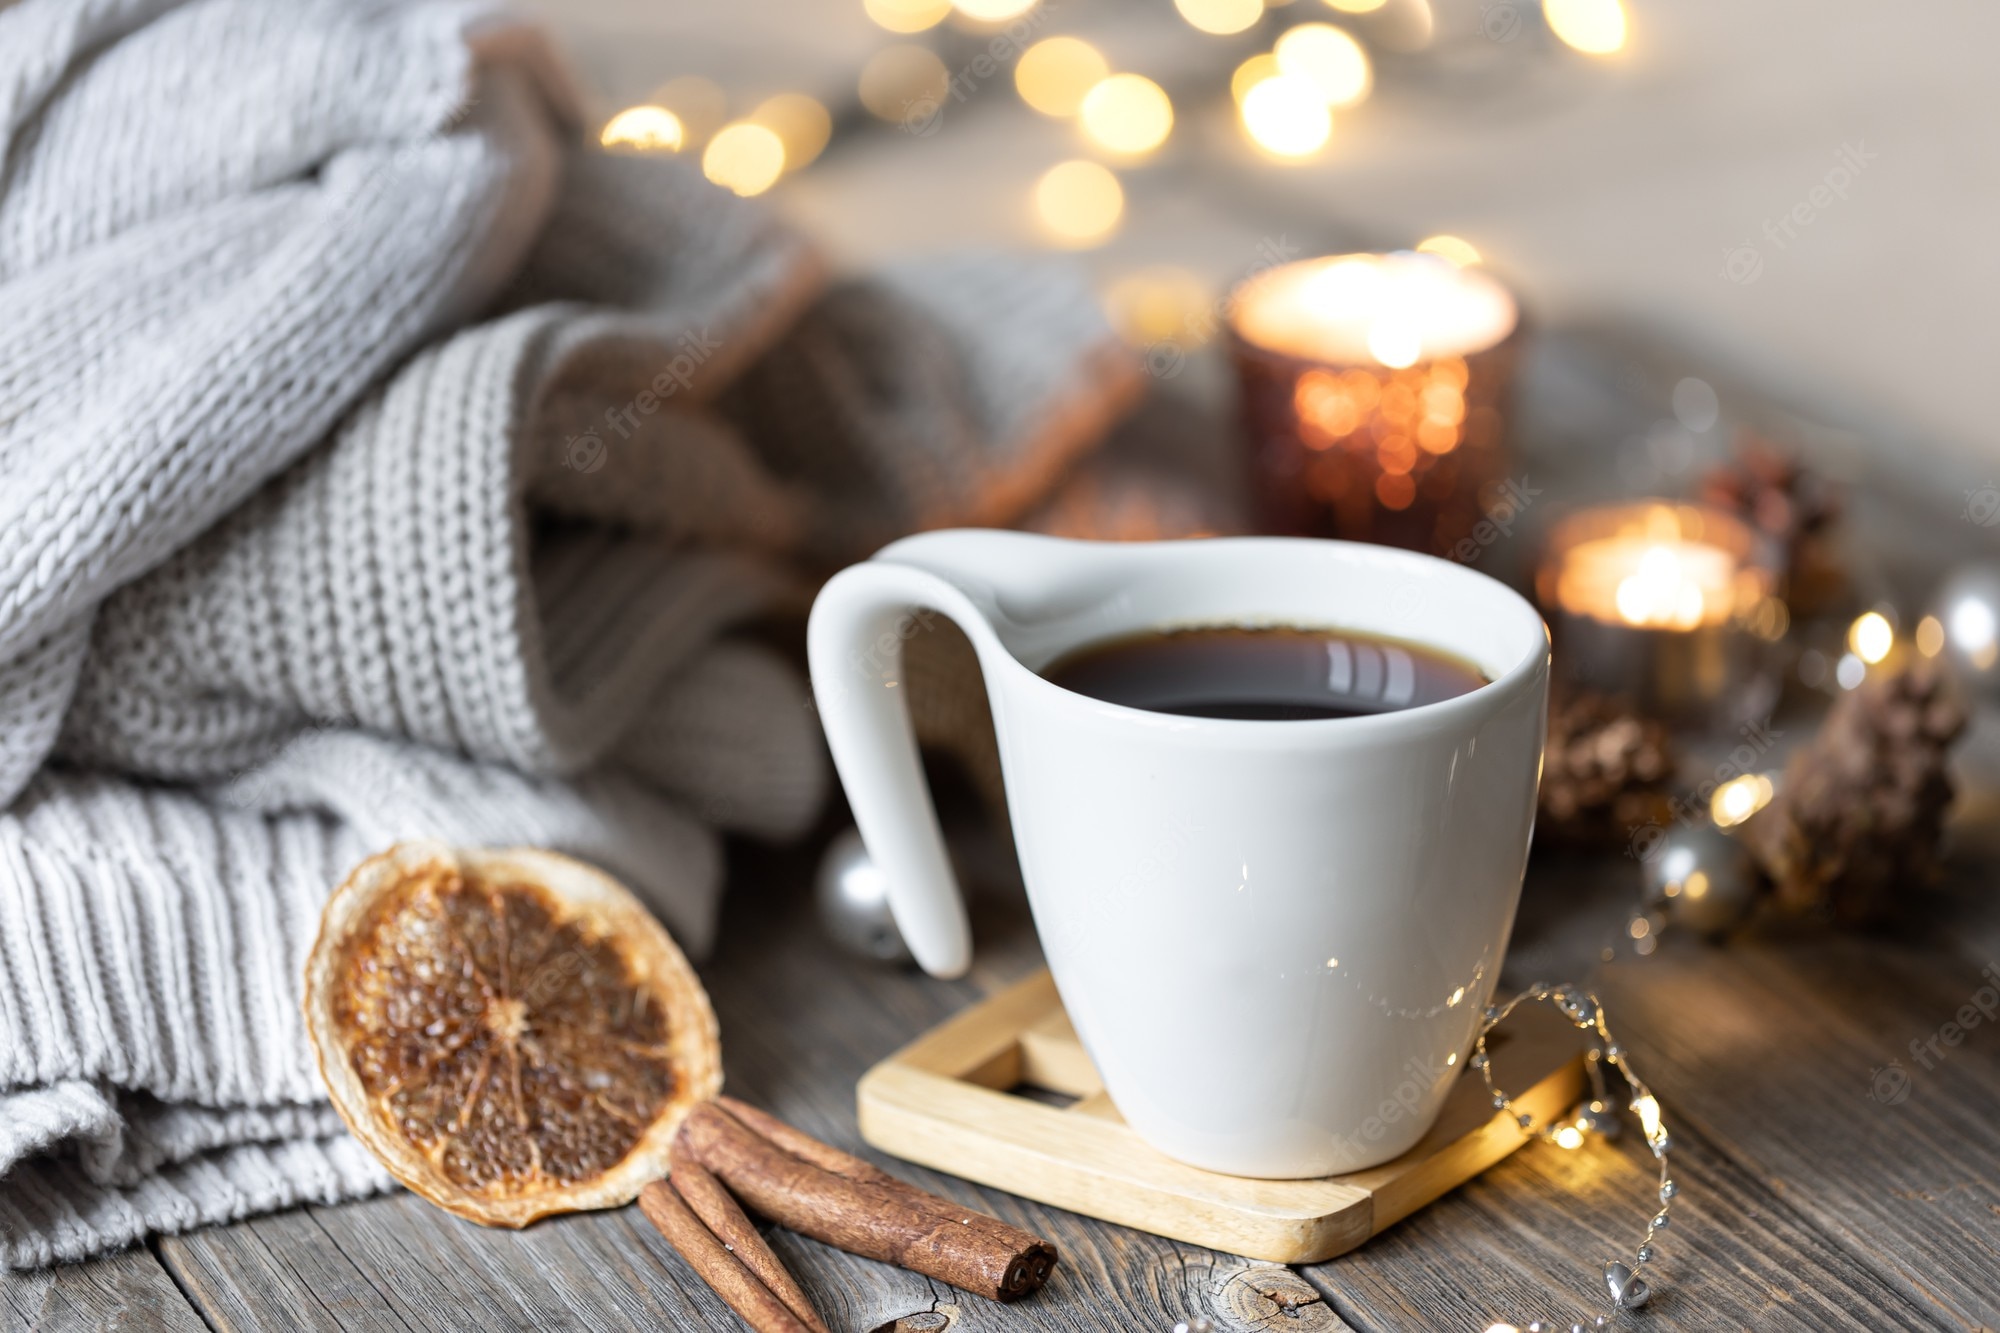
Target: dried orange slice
511 1032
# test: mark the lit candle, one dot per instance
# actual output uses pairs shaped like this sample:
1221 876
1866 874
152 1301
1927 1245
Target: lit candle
1374 389
1668 604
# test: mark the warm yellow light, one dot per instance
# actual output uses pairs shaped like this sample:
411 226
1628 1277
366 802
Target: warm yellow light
1287 116
743 157
800 123
1252 72
993 11
1640 928
1595 27
1329 59
905 84
907 15
1055 73
1164 304
1739 798
1127 113
1569 1136
1221 17
1648 1111
1871 637
1930 636
1356 6
1079 202
648 129
1395 343
1457 251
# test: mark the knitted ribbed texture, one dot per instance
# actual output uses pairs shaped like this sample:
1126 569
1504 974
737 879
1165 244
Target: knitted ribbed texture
296 560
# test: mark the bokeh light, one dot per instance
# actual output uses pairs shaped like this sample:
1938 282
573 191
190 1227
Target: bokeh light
1164 303
1127 113
744 157
1287 116
1221 17
907 15
1356 6
1252 72
1054 74
1079 202
1452 248
646 129
904 83
992 11
1595 27
1329 59
1930 636
800 123
1739 798
1871 636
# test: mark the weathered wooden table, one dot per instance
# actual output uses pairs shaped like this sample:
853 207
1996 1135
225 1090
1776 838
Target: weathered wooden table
1818 1191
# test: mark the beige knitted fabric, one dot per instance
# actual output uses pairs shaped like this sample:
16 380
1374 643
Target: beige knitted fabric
377 462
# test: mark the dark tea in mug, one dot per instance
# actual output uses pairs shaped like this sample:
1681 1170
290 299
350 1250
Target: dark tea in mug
1279 674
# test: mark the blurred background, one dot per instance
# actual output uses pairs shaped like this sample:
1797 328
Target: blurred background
1785 198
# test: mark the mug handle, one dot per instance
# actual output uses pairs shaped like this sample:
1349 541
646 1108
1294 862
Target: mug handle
854 646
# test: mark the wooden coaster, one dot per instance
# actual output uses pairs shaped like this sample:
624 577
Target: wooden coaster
949 1101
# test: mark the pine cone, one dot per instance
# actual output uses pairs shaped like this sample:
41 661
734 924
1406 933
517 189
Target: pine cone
1605 771
1862 807
1796 507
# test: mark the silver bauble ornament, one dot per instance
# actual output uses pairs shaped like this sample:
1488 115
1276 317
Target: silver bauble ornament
1699 877
1968 609
853 900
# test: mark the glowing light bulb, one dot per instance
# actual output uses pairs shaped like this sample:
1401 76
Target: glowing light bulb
647 129
800 123
1594 27
1647 1108
1221 17
1127 113
907 15
1054 74
745 158
1079 202
1739 798
1252 72
992 11
1871 636
1329 59
1286 116
1569 1136
1459 252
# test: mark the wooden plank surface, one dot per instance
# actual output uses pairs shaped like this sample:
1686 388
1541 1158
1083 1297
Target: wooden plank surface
1805 1203
129 1293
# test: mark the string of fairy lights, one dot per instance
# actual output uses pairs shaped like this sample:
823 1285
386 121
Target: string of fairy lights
1286 99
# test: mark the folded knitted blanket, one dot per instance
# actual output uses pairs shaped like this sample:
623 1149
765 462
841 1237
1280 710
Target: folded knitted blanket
378 461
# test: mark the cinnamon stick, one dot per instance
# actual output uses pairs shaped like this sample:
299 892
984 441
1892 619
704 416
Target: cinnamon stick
726 1275
803 1145
710 1202
881 1218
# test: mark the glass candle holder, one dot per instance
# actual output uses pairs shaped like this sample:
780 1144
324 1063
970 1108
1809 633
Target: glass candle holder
1670 606
1374 396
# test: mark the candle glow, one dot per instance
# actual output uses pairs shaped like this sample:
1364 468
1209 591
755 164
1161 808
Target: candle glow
1655 569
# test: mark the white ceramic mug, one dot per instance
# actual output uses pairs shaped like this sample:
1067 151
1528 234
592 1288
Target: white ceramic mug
1274 938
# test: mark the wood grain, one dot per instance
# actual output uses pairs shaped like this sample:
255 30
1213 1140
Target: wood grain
125 1293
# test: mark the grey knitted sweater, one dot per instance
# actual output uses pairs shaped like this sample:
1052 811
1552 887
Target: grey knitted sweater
376 462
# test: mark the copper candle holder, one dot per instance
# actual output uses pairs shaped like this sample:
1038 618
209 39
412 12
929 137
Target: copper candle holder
1374 393
1670 606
